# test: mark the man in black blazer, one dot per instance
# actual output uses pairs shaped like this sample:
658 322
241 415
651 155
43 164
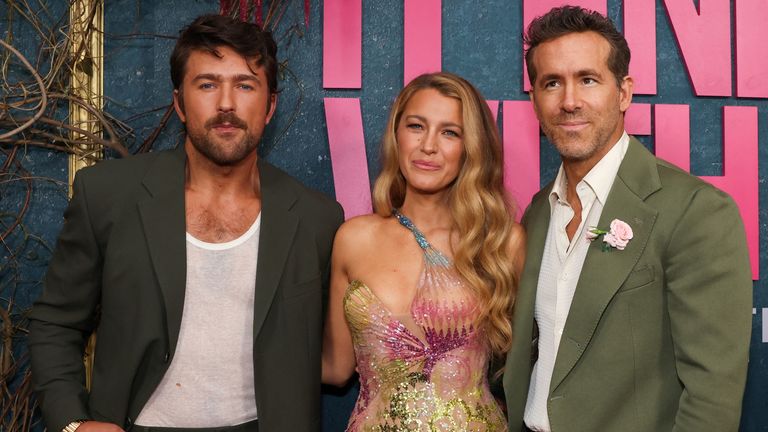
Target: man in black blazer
201 269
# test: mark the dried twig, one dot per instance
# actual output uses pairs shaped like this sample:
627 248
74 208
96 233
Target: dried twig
43 96
35 94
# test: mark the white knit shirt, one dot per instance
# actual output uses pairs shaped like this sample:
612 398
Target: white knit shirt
560 270
210 381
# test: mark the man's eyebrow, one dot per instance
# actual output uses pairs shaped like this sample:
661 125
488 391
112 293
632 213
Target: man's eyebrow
588 72
219 77
245 77
579 73
543 79
549 76
207 77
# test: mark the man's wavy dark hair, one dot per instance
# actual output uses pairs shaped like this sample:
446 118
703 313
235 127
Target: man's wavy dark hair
208 32
565 20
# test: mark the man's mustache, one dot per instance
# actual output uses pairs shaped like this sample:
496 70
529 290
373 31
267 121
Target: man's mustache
571 117
223 118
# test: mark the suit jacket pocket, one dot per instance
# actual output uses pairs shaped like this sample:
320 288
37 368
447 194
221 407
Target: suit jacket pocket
639 278
306 286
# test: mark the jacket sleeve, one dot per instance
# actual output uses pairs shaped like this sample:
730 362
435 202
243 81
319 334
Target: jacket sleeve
709 297
63 317
336 220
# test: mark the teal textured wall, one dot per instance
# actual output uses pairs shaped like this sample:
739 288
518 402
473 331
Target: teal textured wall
481 41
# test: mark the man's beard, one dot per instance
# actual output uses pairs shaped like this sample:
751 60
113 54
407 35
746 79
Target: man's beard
223 153
579 146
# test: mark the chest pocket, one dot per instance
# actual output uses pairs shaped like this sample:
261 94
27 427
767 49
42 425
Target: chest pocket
638 278
305 286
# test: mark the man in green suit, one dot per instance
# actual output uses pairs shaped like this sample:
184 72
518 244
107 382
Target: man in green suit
201 269
634 307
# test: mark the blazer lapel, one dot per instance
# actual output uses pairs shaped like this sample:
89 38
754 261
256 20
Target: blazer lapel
536 223
517 372
278 227
164 221
604 272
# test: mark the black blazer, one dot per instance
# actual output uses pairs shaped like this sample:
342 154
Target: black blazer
120 268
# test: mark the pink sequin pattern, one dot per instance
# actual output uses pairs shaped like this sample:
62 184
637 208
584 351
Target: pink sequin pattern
426 372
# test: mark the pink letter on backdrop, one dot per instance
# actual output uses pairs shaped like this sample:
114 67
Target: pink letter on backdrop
422 38
637 119
536 8
673 134
704 38
751 58
348 159
522 158
494 106
740 178
740 171
342 43
640 32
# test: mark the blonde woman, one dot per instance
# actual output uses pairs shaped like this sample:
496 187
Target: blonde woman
422 290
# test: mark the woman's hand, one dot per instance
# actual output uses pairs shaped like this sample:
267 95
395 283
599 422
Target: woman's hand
97 426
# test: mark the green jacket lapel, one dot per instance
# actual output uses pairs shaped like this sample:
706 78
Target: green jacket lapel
517 372
278 227
604 272
536 223
163 218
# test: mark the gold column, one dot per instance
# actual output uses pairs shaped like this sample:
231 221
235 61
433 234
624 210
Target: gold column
86 18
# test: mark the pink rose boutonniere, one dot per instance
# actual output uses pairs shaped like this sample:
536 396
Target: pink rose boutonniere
618 236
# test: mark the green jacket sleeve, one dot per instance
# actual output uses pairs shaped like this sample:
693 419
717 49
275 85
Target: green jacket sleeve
709 295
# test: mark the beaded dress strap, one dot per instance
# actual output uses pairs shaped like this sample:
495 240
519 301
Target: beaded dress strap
432 255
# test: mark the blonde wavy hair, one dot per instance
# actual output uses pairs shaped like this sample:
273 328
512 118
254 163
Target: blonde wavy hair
482 213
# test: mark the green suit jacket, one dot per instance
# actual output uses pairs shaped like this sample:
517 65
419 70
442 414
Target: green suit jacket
657 336
120 268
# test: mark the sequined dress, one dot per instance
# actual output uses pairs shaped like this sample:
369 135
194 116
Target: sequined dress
426 371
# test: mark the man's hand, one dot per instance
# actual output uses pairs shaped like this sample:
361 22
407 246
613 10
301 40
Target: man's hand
96 426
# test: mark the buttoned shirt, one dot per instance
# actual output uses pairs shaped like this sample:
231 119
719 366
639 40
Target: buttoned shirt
560 270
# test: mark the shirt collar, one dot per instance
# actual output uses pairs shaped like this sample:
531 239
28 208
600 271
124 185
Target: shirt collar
599 178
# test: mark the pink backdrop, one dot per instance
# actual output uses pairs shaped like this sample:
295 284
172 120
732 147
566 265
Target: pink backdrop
703 35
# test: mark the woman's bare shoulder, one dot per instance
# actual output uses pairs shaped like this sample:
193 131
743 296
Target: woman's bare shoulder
517 233
517 241
361 230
